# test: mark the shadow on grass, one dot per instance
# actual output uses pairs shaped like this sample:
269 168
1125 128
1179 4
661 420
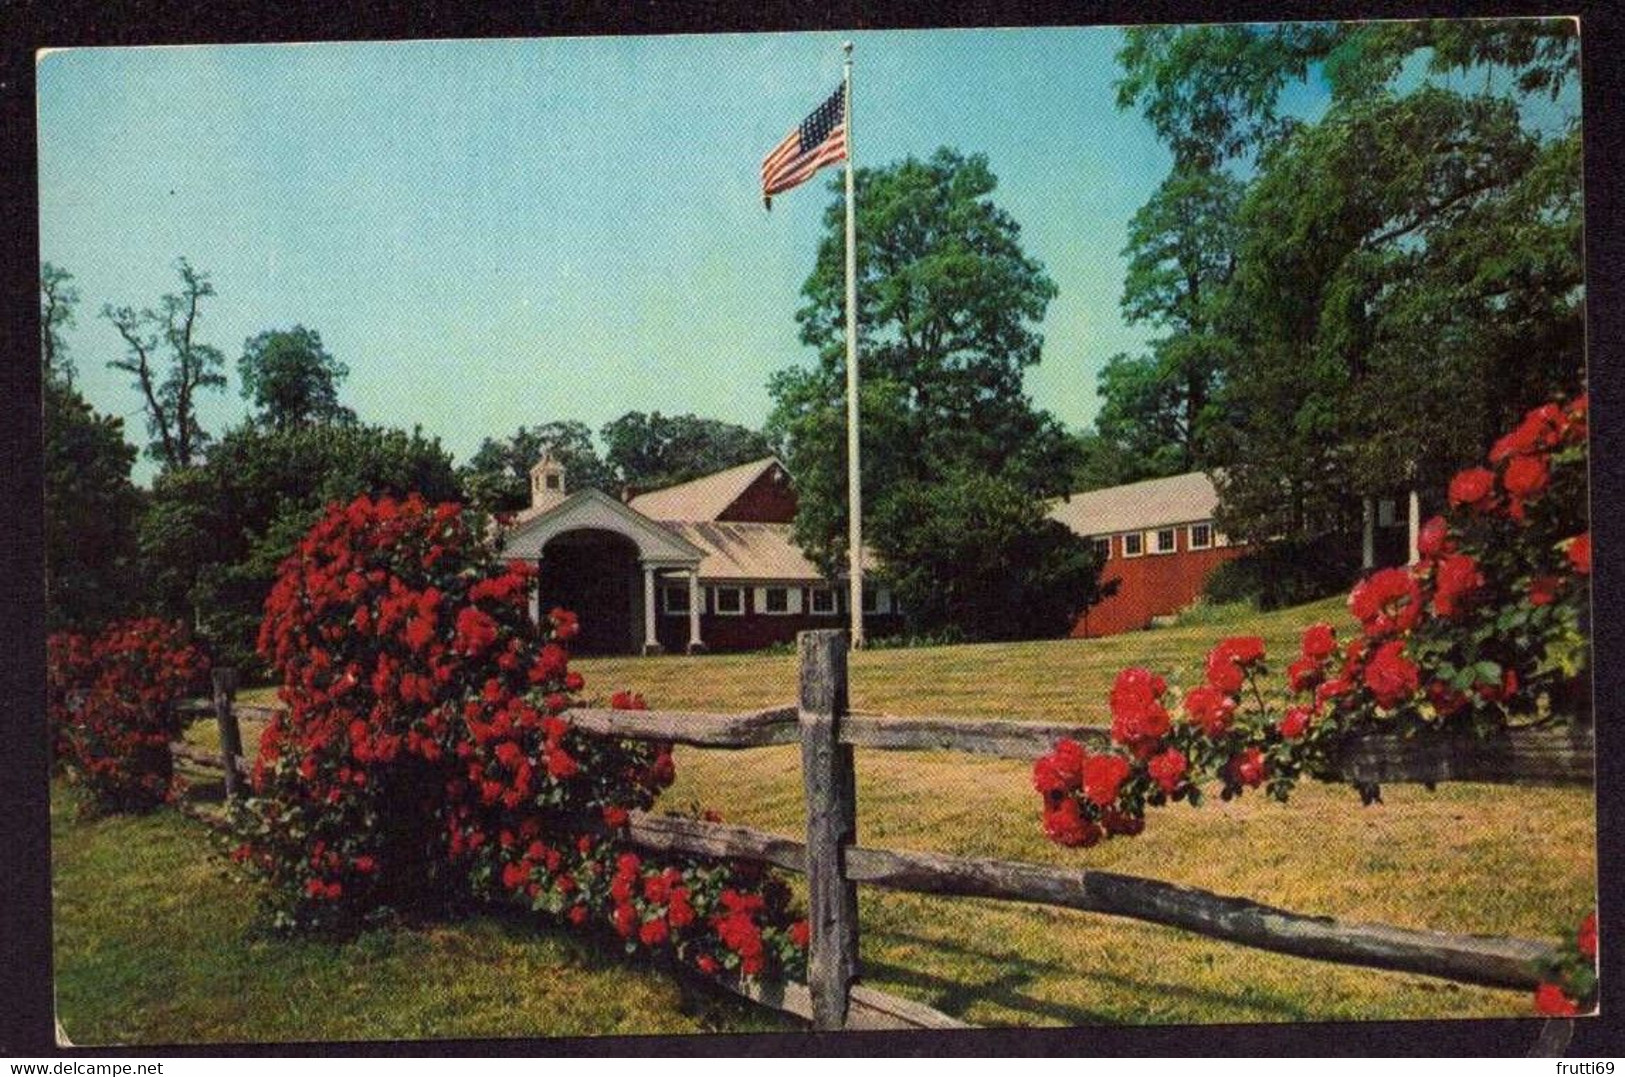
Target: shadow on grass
1000 977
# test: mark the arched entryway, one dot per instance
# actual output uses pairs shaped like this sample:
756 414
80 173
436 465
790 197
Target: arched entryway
595 574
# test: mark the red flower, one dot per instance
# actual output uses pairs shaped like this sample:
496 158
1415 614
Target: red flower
1064 823
707 964
1586 940
1319 641
1386 601
653 933
1210 708
1472 487
1137 713
1579 553
1391 676
1552 1002
1526 476
1226 663
1061 770
1103 775
615 816
625 919
1247 767
1434 538
1543 590
1457 580
801 933
1295 722
1167 769
475 631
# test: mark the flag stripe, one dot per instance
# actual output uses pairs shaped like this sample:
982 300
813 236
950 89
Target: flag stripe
819 140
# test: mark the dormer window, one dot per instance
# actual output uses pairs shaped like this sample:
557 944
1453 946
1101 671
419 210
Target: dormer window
554 481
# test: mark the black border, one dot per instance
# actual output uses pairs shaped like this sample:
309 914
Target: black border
25 967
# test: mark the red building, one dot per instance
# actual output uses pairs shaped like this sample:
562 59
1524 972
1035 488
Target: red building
1158 541
703 565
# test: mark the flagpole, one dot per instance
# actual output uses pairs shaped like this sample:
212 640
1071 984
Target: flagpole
853 491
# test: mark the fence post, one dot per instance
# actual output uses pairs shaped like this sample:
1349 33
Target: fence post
831 789
231 738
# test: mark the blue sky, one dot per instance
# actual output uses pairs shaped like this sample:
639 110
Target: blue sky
491 233
496 233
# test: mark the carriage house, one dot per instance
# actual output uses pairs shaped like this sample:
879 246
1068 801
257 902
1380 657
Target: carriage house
1156 539
703 565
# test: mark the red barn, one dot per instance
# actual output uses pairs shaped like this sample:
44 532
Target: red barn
1158 541
703 565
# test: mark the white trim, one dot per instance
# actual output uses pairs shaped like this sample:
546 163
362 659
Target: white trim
1154 540
1095 543
792 600
716 600
1137 537
834 601
1190 537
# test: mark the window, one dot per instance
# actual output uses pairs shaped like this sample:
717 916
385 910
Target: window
1133 544
823 600
778 601
676 598
1163 541
1387 512
728 600
553 481
1201 536
1103 549
871 600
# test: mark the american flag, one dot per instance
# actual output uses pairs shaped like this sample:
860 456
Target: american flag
819 141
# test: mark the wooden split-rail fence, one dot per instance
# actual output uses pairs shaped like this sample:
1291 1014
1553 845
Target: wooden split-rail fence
835 864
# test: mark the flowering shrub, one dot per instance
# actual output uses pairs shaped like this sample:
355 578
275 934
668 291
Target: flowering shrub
1487 627
427 758
1570 984
110 700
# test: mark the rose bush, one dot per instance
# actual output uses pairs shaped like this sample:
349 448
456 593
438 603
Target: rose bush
426 758
1488 628
110 701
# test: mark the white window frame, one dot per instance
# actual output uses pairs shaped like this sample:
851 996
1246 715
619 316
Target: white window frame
877 599
716 601
667 590
1155 543
1190 536
1138 538
822 592
792 601
1096 544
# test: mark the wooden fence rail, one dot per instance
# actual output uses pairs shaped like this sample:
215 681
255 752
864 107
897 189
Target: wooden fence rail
823 724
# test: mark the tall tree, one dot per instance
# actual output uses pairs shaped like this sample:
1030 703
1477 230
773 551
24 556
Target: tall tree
57 300
949 305
91 513
653 450
171 366
1182 253
291 379
497 476
1407 270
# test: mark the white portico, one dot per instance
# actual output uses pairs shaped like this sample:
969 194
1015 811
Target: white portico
592 549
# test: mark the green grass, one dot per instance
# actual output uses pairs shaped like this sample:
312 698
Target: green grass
1467 858
153 944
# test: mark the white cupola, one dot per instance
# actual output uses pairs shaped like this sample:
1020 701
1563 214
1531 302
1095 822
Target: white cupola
546 482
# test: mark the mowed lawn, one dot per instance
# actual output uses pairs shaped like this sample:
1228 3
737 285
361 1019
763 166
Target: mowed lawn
1466 858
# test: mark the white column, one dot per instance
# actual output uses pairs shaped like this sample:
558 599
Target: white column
695 644
536 595
1368 535
1415 527
651 645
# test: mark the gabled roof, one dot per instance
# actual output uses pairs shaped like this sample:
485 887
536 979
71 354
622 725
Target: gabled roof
596 510
704 498
1178 499
746 551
